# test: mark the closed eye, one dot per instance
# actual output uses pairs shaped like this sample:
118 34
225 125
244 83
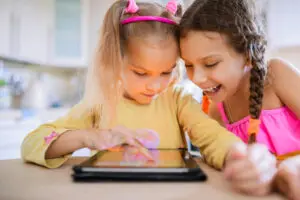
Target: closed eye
188 66
211 65
140 73
166 73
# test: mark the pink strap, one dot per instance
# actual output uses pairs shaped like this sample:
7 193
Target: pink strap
222 112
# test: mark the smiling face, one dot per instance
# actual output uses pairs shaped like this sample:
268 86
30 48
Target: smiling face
149 63
212 63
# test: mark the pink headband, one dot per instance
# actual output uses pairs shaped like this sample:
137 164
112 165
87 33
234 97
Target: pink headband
147 18
132 8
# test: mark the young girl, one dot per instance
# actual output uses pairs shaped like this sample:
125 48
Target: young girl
223 45
128 86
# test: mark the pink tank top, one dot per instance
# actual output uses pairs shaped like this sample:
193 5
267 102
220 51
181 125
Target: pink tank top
279 129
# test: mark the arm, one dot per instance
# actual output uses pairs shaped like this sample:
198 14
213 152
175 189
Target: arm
285 79
66 144
53 153
213 140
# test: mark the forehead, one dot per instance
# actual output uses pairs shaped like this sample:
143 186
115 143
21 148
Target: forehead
200 43
152 52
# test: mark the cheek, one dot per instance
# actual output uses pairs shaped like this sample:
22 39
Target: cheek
165 81
190 73
228 75
129 80
235 71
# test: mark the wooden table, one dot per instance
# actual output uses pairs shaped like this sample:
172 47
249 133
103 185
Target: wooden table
20 181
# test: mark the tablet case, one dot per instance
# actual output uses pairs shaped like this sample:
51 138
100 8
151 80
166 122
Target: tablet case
193 175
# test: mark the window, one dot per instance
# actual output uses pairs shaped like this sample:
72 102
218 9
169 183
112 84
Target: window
68 29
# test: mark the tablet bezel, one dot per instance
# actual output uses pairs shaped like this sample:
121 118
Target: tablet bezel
191 166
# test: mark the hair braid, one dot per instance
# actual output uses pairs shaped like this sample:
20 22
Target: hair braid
257 77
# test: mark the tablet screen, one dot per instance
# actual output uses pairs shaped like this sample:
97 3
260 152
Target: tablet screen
161 159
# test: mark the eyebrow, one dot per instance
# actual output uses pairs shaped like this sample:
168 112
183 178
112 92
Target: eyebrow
139 67
209 56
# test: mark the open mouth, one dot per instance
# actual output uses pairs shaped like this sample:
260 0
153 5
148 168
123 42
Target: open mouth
149 95
212 90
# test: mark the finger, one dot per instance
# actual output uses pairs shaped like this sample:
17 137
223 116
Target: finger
288 181
149 138
145 152
108 140
281 182
121 137
252 188
238 151
256 166
254 171
127 136
257 152
124 135
232 167
135 153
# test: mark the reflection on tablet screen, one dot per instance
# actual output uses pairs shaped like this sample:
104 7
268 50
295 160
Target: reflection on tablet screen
162 159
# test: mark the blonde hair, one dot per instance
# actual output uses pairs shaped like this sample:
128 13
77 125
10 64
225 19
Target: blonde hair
103 84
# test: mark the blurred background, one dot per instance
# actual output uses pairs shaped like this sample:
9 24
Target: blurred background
47 45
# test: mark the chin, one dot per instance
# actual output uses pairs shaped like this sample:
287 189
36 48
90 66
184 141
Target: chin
217 98
144 102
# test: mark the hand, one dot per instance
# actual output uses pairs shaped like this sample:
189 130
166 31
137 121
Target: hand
250 169
133 154
148 138
110 138
287 179
114 139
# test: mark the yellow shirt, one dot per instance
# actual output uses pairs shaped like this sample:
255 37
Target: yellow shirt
169 114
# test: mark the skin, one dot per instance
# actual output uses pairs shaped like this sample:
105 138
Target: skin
287 179
148 62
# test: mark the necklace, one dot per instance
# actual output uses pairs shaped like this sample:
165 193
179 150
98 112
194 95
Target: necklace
228 112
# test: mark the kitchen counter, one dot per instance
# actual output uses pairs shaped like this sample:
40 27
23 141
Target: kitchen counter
16 124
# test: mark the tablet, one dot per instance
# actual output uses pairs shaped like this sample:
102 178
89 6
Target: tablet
167 165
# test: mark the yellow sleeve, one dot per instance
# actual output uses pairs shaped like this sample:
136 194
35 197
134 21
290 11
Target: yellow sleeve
212 139
34 147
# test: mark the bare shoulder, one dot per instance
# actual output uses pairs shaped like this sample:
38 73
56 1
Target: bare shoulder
279 69
282 79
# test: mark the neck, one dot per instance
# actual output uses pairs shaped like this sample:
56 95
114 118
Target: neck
242 93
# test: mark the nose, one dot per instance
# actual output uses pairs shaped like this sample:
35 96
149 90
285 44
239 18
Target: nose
154 86
199 76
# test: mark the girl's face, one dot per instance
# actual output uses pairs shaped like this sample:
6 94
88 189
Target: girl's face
149 63
212 64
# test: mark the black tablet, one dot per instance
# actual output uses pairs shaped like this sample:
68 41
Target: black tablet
167 165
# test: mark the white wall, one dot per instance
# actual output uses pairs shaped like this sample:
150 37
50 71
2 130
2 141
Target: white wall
291 55
283 23
97 12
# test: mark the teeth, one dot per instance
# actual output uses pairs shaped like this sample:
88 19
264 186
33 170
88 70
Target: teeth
211 89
